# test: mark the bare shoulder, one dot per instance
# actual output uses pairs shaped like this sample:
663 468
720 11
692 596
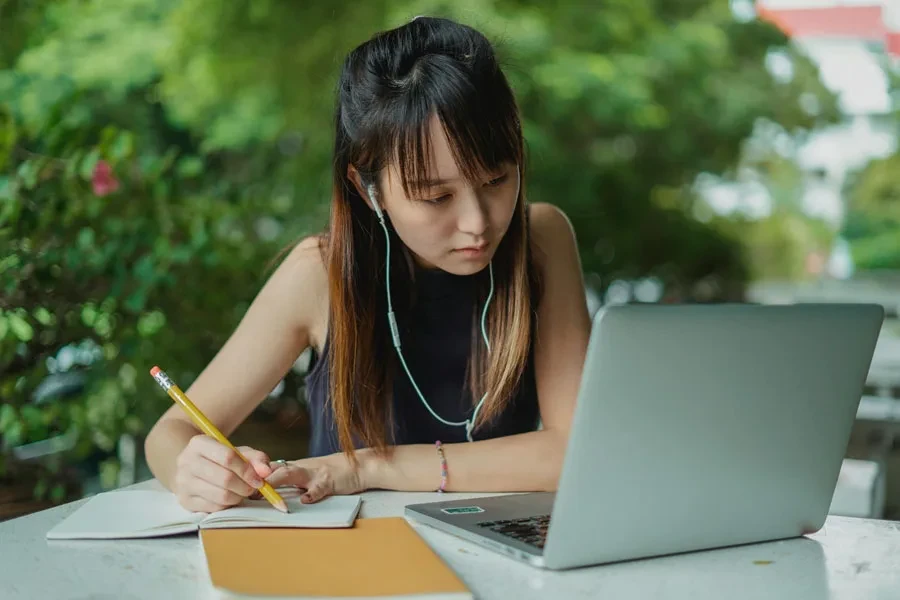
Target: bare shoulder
552 235
305 258
300 283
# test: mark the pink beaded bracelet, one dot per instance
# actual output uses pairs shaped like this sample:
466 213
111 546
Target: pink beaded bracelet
440 450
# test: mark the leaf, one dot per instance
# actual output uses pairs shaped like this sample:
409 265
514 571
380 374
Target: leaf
33 419
89 314
109 473
72 164
42 316
88 163
14 434
40 489
20 327
136 301
86 238
58 493
133 425
7 417
10 262
28 174
123 147
190 166
145 269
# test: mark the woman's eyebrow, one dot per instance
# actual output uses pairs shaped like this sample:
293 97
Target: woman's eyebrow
430 183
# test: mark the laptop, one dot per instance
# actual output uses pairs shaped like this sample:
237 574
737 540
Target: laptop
696 427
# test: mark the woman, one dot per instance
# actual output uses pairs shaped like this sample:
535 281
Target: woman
430 247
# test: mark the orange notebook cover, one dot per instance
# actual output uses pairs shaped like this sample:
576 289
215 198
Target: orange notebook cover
374 558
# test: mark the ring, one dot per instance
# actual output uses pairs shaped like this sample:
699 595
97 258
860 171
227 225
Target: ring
281 462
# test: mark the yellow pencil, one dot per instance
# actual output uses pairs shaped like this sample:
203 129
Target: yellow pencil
211 430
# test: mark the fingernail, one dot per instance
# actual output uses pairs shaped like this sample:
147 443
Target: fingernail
256 482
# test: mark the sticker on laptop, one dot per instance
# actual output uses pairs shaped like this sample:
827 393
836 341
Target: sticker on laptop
462 510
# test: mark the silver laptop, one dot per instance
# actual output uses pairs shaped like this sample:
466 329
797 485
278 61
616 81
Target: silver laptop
696 427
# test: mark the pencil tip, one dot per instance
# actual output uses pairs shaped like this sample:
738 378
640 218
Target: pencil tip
282 507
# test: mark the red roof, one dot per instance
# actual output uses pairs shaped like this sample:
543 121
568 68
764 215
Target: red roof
892 43
860 22
850 22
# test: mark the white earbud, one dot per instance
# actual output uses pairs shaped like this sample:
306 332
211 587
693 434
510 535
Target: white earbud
372 193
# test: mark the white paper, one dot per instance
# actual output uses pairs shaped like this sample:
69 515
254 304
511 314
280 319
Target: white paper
148 513
127 514
334 511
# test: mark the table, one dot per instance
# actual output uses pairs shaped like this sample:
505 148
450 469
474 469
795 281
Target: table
852 559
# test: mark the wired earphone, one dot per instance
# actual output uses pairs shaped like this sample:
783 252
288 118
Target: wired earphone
469 423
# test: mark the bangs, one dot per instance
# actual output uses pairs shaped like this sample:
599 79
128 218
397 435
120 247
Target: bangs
476 111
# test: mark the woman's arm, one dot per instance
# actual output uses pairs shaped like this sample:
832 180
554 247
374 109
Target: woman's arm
263 347
525 462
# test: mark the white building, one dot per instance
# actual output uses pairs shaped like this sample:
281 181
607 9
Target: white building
851 41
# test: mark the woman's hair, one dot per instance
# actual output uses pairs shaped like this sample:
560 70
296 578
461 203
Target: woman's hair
390 87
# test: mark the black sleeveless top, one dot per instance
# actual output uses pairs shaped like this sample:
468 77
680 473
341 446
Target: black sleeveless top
436 346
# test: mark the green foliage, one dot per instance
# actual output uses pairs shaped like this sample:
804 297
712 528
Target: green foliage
172 255
155 154
779 244
872 225
873 217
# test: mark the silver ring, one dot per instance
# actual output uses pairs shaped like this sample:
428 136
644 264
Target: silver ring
281 462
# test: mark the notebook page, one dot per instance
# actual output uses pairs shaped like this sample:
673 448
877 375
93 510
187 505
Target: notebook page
334 511
127 514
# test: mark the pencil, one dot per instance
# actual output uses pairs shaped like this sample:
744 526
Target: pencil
211 430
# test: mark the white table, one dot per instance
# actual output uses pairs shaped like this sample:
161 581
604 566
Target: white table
852 559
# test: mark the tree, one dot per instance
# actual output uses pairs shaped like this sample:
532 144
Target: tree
156 154
872 224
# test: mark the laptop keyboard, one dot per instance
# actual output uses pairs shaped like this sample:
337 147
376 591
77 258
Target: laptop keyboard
530 530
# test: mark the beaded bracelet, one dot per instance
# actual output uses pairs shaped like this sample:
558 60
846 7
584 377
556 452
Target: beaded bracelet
440 450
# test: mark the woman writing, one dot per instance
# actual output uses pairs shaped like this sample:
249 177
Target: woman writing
447 315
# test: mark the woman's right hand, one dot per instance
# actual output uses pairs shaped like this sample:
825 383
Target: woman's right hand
210 476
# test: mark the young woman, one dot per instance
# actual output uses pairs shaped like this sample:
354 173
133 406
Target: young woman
448 316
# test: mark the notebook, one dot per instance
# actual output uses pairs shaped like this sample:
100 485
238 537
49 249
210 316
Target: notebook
376 558
150 513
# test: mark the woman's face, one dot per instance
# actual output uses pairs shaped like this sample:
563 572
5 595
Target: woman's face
455 226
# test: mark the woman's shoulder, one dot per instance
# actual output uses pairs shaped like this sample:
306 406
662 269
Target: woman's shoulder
308 253
302 279
550 231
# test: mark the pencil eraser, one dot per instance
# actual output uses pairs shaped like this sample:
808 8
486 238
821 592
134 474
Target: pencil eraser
154 371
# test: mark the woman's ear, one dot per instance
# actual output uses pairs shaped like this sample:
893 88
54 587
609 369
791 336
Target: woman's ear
365 189
354 176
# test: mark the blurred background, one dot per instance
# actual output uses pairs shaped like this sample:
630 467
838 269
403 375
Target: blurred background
157 154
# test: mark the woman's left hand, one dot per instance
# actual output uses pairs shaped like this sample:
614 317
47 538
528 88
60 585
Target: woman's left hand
320 477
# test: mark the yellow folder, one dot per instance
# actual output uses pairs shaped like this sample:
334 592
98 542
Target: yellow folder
375 557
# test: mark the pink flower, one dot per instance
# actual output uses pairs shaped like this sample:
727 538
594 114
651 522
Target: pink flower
103 181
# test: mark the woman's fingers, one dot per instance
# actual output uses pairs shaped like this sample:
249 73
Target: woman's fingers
290 475
219 496
219 476
259 459
321 486
222 455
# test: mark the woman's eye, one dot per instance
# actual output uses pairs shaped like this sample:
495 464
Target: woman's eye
439 200
497 180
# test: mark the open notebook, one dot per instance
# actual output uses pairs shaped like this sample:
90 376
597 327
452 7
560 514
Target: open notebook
148 513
